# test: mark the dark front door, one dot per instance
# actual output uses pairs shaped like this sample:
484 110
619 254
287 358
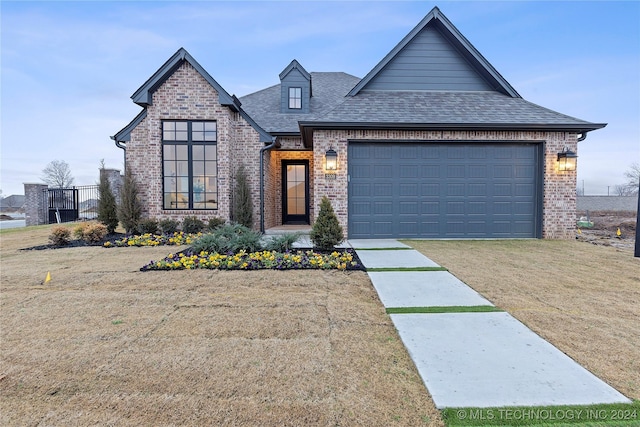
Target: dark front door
295 192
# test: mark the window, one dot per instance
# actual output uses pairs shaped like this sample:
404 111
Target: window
190 166
295 98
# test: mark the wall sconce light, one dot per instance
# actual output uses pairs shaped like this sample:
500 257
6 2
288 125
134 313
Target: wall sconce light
331 160
567 160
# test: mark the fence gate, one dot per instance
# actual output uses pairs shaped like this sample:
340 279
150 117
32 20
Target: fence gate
63 204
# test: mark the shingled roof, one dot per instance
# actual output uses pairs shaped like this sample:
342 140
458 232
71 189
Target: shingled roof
409 89
452 110
329 90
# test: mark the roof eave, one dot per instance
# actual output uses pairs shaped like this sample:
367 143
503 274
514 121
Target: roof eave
573 127
124 135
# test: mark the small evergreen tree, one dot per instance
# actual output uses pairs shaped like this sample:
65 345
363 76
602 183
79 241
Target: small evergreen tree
326 232
107 208
130 209
242 211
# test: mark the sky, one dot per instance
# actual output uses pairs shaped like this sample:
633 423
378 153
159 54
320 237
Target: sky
68 69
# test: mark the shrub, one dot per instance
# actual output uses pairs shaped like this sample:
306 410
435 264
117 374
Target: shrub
94 232
107 208
130 209
60 235
326 232
215 223
78 230
191 224
168 225
282 243
90 232
242 210
148 225
229 238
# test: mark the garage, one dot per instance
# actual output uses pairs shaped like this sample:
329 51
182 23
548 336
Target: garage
452 190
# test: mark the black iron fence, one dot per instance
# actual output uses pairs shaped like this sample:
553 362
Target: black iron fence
70 204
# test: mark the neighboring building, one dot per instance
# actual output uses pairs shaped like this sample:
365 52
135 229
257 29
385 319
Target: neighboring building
433 142
13 203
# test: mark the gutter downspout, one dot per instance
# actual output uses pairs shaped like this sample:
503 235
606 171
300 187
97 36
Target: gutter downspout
119 144
262 151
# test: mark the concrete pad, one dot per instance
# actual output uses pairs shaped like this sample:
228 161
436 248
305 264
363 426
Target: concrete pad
376 244
491 359
423 289
304 242
394 259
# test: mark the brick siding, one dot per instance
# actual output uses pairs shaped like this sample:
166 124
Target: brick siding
559 189
186 95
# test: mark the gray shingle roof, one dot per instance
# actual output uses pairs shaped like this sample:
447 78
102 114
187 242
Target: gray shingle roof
329 89
461 109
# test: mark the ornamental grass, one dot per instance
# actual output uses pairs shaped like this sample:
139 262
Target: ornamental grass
260 260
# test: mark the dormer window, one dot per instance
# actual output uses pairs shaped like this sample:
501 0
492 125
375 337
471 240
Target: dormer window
295 89
295 98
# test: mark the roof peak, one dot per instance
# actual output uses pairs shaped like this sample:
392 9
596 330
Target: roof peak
294 65
435 18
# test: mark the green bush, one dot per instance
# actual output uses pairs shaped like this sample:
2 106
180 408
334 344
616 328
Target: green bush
215 223
60 235
229 238
281 243
168 225
148 225
130 209
326 232
191 224
242 209
107 208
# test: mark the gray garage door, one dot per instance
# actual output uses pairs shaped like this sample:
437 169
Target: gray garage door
457 190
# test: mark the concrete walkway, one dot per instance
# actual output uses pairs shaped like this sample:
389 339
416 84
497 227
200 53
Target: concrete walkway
473 359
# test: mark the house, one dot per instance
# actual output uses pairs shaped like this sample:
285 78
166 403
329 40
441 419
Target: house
13 203
433 142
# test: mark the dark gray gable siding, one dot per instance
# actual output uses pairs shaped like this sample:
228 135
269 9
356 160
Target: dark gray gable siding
295 78
429 62
457 42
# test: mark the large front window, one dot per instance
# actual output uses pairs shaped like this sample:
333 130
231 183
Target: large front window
189 160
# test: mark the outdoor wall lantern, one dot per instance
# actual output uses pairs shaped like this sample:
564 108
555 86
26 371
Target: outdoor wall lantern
331 160
567 160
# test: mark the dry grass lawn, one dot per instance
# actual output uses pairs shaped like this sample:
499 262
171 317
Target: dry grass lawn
585 299
105 344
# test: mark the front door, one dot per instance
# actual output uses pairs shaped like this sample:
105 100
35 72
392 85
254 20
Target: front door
295 192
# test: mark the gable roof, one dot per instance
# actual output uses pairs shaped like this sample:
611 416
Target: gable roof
144 95
295 65
436 28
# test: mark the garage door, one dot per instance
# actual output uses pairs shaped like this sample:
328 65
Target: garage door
426 190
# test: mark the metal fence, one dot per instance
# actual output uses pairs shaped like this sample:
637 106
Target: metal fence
70 204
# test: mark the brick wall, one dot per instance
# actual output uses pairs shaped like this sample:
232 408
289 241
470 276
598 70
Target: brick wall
559 195
35 204
186 95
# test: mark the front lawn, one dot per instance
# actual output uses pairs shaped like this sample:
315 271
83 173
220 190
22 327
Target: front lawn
105 344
